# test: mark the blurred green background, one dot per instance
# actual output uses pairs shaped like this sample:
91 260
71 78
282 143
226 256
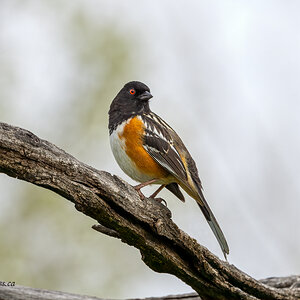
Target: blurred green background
224 74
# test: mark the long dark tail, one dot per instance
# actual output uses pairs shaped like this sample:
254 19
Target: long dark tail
197 194
210 218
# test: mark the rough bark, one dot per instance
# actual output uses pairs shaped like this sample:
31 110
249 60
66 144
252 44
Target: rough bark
146 225
25 293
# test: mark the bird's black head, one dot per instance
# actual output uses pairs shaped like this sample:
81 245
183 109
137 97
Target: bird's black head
133 99
135 91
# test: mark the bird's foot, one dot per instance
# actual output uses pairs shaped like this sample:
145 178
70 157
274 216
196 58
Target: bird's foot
160 200
138 189
141 185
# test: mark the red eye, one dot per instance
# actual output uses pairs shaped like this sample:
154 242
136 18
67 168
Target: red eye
132 91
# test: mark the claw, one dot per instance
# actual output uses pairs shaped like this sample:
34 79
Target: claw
161 200
138 189
141 185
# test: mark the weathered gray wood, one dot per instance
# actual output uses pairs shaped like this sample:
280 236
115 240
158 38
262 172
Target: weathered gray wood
25 293
146 224
290 282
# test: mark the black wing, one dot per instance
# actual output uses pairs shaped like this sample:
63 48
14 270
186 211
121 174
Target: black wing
159 143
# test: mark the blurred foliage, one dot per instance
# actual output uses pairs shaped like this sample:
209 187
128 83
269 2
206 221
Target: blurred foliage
44 242
7 78
103 56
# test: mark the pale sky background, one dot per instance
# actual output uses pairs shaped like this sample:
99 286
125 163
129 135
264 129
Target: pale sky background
224 74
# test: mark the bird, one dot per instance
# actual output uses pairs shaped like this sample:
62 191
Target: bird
149 151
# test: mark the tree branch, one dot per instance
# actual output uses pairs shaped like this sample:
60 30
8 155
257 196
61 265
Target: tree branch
146 224
24 293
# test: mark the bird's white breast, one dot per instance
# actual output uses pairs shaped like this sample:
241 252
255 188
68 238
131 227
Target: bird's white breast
118 147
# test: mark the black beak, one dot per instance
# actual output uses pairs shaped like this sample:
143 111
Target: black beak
145 96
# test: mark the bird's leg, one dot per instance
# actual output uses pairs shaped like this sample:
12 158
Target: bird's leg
155 194
157 191
141 185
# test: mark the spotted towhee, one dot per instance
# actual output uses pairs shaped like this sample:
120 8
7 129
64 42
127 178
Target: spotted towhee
149 151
